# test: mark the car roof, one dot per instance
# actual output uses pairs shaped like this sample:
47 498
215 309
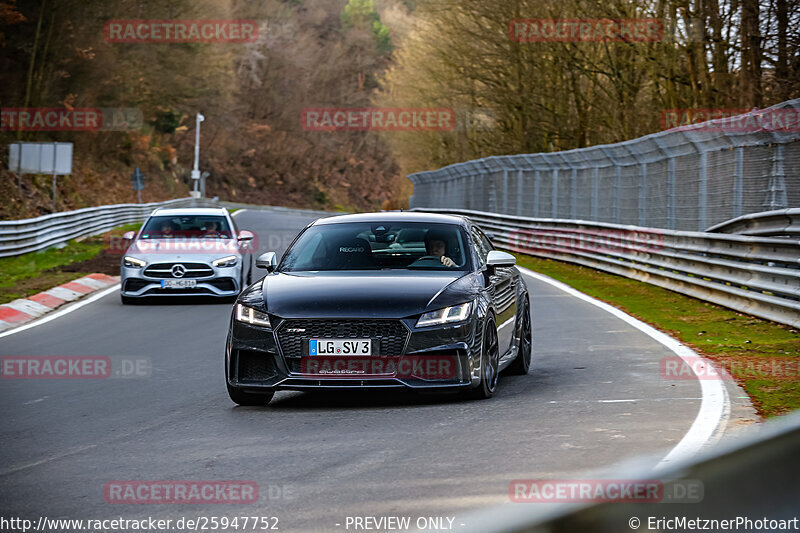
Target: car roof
184 211
394 216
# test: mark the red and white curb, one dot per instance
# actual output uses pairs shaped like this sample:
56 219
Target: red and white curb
24 310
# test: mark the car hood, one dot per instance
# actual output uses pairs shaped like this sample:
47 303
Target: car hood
383 294
183 249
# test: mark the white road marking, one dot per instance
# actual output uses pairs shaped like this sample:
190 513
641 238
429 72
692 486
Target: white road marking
43 398
714 411
62 312
239 212
632 400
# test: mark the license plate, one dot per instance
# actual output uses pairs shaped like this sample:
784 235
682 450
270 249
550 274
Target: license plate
339 347
178 283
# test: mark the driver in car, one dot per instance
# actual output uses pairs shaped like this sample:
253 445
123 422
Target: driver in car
212 230
436 245
166 230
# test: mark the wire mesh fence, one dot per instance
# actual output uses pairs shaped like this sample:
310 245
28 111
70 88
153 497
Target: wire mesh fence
687 178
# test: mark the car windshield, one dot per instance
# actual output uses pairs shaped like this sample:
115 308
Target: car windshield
196 226
376 246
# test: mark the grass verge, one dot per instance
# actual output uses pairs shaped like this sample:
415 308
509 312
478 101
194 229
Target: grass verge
762 356
24 275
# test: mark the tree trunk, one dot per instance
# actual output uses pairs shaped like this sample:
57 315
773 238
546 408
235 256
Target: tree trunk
750 89
782 66
29 83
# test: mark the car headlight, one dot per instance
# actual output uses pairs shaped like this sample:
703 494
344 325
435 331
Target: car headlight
132 262
455 313
248 315
228 261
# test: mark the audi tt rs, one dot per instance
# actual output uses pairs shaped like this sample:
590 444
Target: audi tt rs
380 300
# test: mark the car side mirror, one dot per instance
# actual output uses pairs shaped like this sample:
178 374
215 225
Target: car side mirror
496 258
245 235
267 260
129 235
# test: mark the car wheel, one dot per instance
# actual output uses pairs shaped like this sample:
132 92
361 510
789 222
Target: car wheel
522 363
490 361
249 398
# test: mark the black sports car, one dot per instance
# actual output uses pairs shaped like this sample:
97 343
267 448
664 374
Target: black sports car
393 299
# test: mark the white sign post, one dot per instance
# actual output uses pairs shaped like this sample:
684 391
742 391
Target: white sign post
40 158
196 171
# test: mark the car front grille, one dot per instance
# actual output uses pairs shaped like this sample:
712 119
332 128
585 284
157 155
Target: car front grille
389 336
193 270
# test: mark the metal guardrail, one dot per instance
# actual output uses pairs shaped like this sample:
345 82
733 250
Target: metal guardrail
686 178
779 223
18 237
280 209
759 276
750 477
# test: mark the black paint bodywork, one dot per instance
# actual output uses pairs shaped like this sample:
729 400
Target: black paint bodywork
255 361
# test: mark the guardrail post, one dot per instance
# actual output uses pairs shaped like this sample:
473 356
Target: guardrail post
671 192
505 191
492 191
738 181
643 196
702 193
595 193
573 194
519 192
617 191
776 194
554 199
536 186
471 192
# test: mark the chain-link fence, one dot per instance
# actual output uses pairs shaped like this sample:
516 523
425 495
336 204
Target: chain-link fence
688 178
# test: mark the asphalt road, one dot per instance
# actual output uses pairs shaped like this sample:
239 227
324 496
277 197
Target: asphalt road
594 397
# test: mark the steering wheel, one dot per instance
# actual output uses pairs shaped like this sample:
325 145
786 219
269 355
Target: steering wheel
428 258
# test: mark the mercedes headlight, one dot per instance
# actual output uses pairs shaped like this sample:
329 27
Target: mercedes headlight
228 261
248 315
132 262
448 315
